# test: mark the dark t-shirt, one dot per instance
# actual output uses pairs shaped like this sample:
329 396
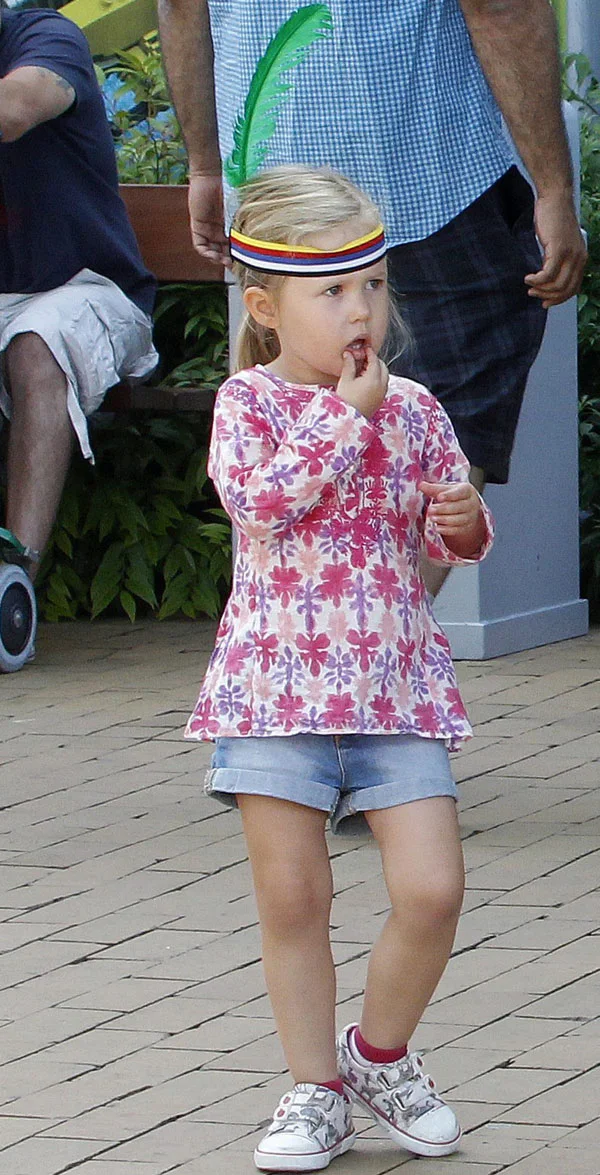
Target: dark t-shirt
60 209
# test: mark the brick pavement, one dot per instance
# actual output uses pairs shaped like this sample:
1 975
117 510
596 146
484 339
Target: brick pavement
135 1035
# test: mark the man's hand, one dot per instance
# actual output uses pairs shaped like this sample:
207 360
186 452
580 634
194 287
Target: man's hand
455 508
565 254
365 392
205 202
517 46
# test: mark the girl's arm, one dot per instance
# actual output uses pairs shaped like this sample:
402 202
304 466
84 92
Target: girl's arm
458 525
266 485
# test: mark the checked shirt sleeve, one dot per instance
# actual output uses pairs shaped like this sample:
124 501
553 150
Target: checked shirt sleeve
267 484
444 461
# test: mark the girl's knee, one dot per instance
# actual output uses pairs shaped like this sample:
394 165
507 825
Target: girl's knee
291 902
434 903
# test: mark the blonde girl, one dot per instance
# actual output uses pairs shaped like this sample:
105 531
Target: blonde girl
331 692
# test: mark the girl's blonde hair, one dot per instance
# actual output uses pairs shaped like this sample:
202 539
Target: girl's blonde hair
286 206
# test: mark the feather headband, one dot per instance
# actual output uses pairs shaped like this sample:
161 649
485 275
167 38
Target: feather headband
301 260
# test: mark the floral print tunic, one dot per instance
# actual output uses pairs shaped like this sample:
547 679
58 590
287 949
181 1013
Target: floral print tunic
328 628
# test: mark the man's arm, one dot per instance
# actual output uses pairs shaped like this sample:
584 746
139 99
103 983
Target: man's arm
188 55
31 94
516 43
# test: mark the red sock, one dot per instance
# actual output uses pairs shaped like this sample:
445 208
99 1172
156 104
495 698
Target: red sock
337 1086
378 1056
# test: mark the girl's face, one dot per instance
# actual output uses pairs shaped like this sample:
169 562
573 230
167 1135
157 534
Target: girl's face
316 319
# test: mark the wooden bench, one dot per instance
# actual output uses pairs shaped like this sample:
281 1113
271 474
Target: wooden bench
159 216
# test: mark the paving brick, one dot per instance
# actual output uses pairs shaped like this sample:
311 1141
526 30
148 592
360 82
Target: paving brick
49 1155
572 1103
556 1160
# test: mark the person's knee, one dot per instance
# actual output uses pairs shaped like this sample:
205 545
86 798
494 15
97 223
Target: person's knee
432 903
33 372
293 900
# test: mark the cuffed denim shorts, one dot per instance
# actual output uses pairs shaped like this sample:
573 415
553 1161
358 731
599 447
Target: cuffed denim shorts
345 775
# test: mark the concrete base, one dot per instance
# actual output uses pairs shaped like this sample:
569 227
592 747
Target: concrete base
482 640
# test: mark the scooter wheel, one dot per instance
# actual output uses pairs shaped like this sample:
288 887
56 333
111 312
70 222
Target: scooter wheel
18 617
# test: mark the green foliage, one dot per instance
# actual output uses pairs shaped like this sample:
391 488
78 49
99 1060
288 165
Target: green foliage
191 334
582 88
142 530
150 150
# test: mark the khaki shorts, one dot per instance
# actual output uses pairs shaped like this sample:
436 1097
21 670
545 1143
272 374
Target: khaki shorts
96 334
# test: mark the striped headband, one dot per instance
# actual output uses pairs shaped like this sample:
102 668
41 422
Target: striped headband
300 261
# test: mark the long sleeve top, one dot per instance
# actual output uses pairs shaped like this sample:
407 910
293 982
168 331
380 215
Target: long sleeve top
329 628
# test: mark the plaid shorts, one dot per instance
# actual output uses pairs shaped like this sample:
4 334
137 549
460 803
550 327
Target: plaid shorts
475 332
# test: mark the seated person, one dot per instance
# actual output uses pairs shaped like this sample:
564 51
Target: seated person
75 298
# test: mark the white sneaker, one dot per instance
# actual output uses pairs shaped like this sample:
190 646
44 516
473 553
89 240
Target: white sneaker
401 1097
311 1126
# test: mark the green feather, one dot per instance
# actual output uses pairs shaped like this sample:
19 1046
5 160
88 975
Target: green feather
268 89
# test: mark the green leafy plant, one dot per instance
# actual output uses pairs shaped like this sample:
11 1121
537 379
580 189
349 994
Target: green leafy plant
148 140
142 530
191 334
582 88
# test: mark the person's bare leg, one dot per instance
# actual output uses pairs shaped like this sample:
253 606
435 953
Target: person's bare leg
294 889
434 574
424 873
40 441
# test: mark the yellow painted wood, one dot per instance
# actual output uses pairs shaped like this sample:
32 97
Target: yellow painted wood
112 25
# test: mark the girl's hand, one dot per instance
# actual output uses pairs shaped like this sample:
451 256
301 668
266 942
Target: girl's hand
455 508
365 392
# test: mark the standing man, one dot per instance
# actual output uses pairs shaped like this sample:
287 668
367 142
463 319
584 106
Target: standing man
75 298
405 97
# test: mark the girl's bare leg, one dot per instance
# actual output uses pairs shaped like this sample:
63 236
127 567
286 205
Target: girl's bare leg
424 873
294 889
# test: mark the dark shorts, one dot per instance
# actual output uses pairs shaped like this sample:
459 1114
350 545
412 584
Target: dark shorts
475 331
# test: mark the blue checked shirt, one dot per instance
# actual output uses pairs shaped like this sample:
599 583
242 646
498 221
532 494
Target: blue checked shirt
394 98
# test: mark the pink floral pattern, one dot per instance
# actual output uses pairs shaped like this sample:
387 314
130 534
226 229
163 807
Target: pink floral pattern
328 628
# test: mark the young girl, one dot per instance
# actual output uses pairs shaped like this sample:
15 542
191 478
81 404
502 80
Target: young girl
331 691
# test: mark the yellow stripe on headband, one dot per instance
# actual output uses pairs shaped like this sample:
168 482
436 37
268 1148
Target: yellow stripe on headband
255 243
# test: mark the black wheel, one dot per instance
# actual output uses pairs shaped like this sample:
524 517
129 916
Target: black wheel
18 617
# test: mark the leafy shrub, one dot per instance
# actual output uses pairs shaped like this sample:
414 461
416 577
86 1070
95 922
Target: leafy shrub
141 530
191 334
148 140
582 88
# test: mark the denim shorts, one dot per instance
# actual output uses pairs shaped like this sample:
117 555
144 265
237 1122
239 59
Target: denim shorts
342 774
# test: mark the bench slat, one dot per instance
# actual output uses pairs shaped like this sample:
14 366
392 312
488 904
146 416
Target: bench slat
127 397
